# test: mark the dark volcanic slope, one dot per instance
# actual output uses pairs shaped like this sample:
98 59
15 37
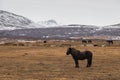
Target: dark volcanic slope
58 33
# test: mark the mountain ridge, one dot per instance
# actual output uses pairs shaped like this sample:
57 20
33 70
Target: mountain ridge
15 26
11 21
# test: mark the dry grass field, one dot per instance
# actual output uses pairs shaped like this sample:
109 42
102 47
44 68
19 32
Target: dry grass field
46 62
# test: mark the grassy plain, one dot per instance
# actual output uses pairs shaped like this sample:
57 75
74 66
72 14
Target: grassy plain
48 61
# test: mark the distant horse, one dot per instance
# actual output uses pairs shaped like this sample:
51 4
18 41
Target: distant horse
44 41
84 41
89 41
77 55
109 42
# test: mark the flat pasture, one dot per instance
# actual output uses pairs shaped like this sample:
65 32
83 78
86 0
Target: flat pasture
44 62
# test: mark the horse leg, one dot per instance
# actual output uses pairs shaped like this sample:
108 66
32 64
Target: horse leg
89 62
76 64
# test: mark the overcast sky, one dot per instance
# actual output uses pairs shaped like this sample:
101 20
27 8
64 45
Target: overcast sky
89 12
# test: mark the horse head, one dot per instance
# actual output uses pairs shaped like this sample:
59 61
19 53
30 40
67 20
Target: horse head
68 51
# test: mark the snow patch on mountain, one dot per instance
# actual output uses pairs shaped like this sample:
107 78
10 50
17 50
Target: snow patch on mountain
110 27
11 21
49 23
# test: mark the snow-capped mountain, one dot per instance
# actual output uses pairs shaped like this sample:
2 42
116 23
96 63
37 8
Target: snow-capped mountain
16 26
11 21
49 23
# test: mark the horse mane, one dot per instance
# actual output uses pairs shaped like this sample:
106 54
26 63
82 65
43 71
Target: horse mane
74 49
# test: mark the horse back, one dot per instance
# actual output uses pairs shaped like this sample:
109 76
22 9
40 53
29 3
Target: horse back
88 54
82 56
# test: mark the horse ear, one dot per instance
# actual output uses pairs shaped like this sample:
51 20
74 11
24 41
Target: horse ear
70 48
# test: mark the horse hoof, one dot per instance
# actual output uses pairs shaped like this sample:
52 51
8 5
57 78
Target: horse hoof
76 66
88 66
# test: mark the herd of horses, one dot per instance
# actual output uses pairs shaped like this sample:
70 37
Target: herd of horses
110 42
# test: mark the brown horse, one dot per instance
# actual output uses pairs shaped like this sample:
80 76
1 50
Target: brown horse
77 55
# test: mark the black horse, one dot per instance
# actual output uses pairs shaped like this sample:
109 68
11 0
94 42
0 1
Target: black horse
77 55
84 41
110 42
